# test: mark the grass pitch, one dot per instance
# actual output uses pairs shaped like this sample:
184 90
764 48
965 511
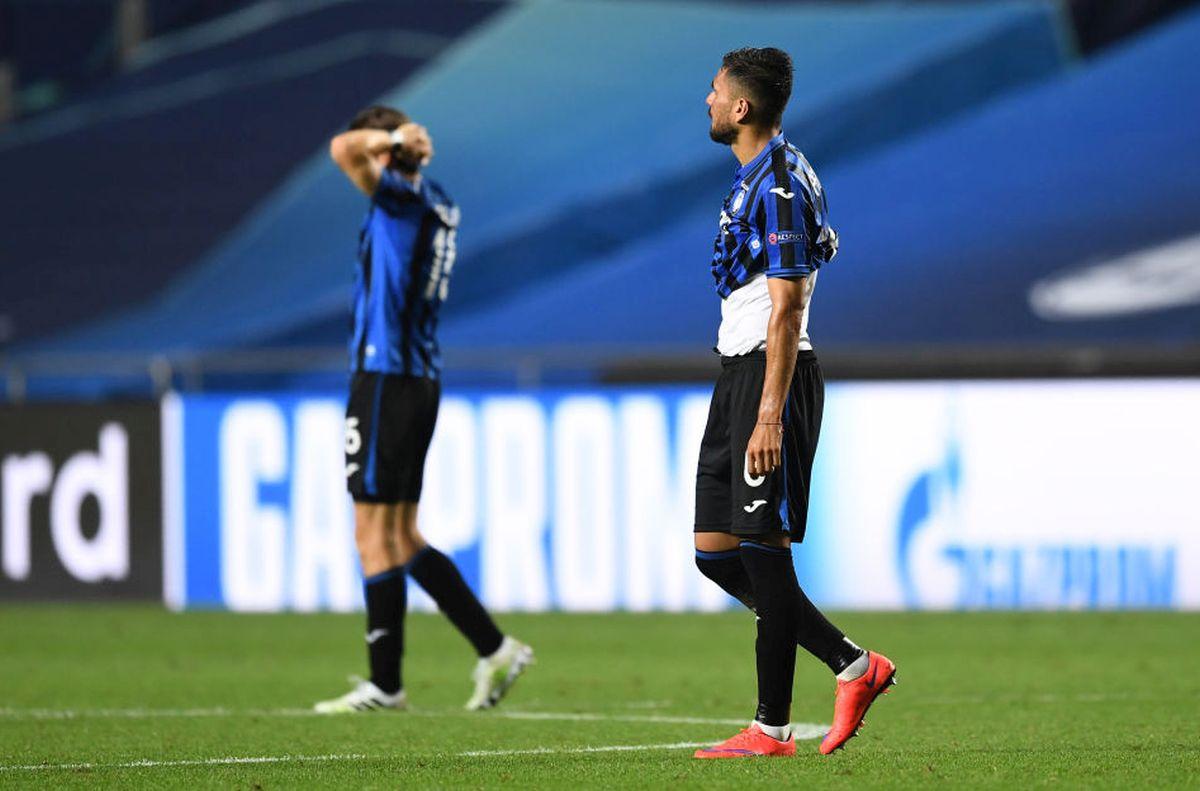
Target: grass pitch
138 697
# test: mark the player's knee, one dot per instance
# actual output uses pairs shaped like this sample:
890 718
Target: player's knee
407 546
715 542
407 539
375 545
408 535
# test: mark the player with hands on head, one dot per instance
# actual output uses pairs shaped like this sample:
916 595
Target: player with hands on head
406 255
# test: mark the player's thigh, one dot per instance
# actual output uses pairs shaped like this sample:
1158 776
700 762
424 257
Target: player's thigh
410 414
755 507
802 429
389 425
713 467
724 542
362 437
774 538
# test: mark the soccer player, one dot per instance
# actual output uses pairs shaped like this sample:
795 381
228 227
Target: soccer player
756 457
405 256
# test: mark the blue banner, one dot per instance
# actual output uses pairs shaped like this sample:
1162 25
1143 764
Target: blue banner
932 495
564 500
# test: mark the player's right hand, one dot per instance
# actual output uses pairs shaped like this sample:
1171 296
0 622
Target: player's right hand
417 142
764 452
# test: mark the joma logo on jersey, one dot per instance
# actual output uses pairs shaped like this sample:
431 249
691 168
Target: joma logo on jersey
784 237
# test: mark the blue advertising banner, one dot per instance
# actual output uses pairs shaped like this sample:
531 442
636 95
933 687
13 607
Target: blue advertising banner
564 500
932 495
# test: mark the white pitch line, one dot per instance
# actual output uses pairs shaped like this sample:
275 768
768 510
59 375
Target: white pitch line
149 764
280 759
136 714
584 717
612 748
802 730
139 714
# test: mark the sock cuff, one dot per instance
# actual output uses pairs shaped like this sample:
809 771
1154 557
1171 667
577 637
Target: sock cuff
766 548
780 733
729 553
384 576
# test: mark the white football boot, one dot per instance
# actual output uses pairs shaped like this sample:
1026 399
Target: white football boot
495 674
364 697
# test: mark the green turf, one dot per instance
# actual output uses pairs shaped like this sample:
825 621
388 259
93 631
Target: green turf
1097 700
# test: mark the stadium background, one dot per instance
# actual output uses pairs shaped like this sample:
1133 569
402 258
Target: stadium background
1010 329
1011 335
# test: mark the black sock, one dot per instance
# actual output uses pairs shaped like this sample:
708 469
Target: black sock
816 634
438 575
778 608
726 569
387 599
822 639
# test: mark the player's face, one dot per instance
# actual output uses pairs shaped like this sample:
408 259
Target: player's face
402 163
416 152
723 128
405 164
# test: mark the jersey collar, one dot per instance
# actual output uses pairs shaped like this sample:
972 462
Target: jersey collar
770 147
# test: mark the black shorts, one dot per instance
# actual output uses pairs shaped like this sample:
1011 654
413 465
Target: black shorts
389 422
728 498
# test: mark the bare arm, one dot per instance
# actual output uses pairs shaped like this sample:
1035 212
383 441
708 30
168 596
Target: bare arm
358 151
764 452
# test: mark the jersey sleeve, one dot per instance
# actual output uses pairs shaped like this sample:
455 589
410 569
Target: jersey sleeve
783 233
393 190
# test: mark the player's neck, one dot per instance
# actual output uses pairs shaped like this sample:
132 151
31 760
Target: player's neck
751 142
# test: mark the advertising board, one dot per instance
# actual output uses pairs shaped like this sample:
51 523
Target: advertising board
80 502
927 496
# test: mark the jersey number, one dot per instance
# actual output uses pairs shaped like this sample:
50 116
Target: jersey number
353 437
444 251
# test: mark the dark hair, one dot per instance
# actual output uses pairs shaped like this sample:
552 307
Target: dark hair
378 117
766 75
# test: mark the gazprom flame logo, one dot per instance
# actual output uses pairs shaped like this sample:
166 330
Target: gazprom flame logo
928 509
945 561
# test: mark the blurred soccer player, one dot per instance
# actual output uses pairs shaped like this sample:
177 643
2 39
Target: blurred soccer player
756 457
405 256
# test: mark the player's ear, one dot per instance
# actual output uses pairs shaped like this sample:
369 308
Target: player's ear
741 110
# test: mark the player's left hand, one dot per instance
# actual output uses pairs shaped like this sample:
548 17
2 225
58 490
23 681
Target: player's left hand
765 451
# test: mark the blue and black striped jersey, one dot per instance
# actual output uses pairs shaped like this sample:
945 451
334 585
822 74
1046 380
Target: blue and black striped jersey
406 252
774 221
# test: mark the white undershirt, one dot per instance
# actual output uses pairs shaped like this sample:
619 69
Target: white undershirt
746 312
